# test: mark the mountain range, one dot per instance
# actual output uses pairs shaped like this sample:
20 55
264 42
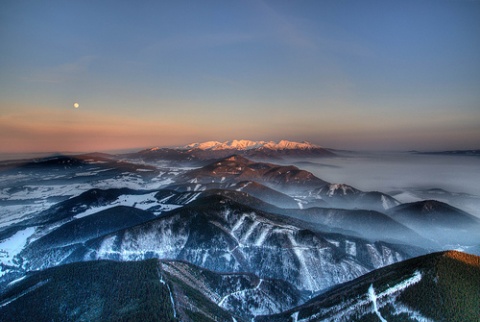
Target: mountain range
250 145
230 238
222 235
206 151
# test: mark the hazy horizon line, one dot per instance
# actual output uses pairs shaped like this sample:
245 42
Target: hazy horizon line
6 155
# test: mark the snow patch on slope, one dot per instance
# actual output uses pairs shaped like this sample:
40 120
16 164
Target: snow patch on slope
144 202
13 245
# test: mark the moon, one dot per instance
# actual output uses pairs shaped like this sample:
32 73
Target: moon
76 105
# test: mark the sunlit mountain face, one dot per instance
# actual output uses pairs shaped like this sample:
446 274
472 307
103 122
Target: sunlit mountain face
239 231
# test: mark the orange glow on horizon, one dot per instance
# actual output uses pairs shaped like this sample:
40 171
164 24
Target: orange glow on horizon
48 129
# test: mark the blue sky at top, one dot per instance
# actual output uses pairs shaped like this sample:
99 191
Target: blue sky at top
344 74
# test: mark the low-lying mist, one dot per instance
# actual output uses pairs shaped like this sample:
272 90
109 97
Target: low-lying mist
406 176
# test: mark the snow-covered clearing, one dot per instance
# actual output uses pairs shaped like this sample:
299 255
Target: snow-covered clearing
144 202
13 245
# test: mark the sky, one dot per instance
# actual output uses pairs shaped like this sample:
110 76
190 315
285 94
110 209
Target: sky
345 74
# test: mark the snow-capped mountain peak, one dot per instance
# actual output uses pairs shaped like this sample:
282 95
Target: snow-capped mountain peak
209 145
211 150
250 145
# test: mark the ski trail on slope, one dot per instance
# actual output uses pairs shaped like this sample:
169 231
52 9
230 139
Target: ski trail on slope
373 298
301 259
171 296
262 237
173 302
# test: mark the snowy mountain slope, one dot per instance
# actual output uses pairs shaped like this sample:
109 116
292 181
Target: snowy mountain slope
176 199
221 235
97 212
86 203
434 287
93 226
95 200
366 224
29 187
44 242
91 214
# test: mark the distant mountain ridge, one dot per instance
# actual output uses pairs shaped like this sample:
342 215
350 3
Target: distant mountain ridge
211 150
250 145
